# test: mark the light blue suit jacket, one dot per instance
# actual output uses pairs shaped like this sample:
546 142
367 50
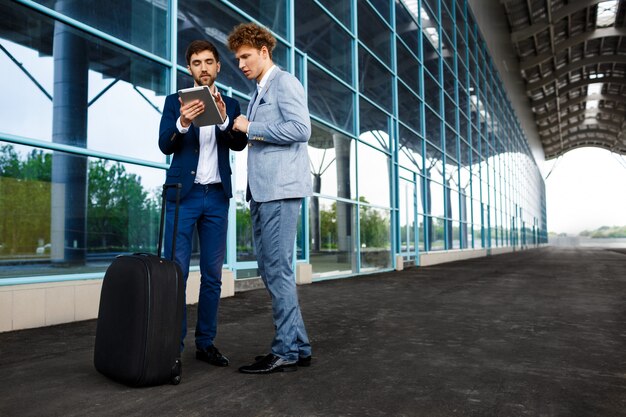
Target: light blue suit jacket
280 127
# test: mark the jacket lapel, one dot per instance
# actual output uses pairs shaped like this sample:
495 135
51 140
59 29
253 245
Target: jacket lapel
263 91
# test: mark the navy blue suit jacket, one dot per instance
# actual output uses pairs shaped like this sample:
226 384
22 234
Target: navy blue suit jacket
186 146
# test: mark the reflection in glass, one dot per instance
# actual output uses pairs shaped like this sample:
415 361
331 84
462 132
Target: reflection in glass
409 108
96 86
375 238
375 80
332 242
270 13
323 39
333 103
198 24
333 164
143 23
373 126
373 168
114 208
410 153
437 234
407 66
374 33
340 9
406 27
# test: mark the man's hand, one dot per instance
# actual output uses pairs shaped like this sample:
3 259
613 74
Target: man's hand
221 105
241 123
190 111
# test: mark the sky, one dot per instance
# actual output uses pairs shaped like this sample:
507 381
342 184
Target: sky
585 190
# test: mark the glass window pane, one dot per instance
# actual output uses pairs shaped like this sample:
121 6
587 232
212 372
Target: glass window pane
332 245
431 56
407 67
332 156
205 26
340 9
433 127
333 103
432 93
270 13
410 153
323 39
374 33
382 6
373 126
373 168
375 226
142 23
406 27
409 108
96 86
65 214
374 80
407 214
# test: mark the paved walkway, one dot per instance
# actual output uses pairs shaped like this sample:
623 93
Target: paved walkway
535 333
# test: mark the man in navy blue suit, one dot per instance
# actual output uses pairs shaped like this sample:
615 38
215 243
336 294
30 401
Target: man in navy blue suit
200 163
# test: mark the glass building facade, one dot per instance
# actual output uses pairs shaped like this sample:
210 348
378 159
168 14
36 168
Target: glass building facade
415 147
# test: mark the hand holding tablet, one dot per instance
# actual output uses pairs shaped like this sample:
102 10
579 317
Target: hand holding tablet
210 115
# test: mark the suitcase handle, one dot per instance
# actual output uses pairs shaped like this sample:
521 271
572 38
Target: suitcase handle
178 187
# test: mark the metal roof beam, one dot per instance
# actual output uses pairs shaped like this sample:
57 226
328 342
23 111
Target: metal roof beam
578 113
576 85
609 124
531 61
543 24
606 97
593 60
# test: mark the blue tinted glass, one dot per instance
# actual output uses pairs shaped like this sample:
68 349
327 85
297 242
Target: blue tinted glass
142 23
329 99
271 13
323 39
374 80
409 108
374 33
382 6
340 9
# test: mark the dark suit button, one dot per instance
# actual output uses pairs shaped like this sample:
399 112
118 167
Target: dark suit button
193 172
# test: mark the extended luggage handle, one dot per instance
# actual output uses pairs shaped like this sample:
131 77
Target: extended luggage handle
178 187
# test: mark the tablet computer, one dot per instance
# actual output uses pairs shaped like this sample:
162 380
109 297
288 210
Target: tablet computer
211 115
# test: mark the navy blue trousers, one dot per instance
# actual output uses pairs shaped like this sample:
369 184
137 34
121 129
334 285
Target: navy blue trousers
204 207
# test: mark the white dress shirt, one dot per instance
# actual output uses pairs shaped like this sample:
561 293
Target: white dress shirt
208 169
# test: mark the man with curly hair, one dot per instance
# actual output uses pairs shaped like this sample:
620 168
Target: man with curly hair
278 128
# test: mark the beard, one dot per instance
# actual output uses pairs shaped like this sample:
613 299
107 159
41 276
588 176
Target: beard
208 81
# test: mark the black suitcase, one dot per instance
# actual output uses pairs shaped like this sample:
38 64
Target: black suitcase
140 316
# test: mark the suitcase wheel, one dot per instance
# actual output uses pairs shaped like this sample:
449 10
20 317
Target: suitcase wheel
177 371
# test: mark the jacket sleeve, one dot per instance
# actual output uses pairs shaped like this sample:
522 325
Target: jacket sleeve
295 123
170 139
237 141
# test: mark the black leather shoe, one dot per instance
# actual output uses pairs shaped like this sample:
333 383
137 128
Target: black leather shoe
269 364
212 355
302 360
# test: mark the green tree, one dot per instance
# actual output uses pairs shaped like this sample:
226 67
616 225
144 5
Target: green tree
328 228
374 227
24 201
120 216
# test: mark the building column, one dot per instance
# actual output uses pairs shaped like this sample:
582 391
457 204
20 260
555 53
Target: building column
69 127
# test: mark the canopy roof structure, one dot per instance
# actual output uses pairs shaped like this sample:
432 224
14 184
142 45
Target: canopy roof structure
572 57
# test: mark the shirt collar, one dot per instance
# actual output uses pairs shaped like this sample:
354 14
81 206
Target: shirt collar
263 81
